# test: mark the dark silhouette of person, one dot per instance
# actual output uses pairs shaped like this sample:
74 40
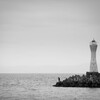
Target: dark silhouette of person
58 79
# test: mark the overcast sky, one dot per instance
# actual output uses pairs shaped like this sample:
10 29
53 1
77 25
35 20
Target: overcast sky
48 36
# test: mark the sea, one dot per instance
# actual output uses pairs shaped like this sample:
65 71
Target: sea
40 87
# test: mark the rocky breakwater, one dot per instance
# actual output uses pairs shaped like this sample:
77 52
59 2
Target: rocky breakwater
91 79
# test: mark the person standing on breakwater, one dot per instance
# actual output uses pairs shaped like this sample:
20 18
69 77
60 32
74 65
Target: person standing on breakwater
59 79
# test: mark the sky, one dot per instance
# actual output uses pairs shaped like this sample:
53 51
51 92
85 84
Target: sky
48 36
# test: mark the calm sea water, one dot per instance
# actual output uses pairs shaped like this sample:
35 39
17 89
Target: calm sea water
39 87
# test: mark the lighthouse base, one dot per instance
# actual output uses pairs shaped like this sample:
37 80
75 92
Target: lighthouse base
88 74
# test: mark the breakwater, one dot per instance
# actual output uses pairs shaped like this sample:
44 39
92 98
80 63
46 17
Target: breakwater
91 79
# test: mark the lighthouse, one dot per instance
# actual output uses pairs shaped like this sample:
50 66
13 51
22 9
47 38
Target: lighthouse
93 62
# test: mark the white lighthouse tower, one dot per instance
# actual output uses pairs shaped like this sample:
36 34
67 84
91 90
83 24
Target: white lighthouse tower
93 63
